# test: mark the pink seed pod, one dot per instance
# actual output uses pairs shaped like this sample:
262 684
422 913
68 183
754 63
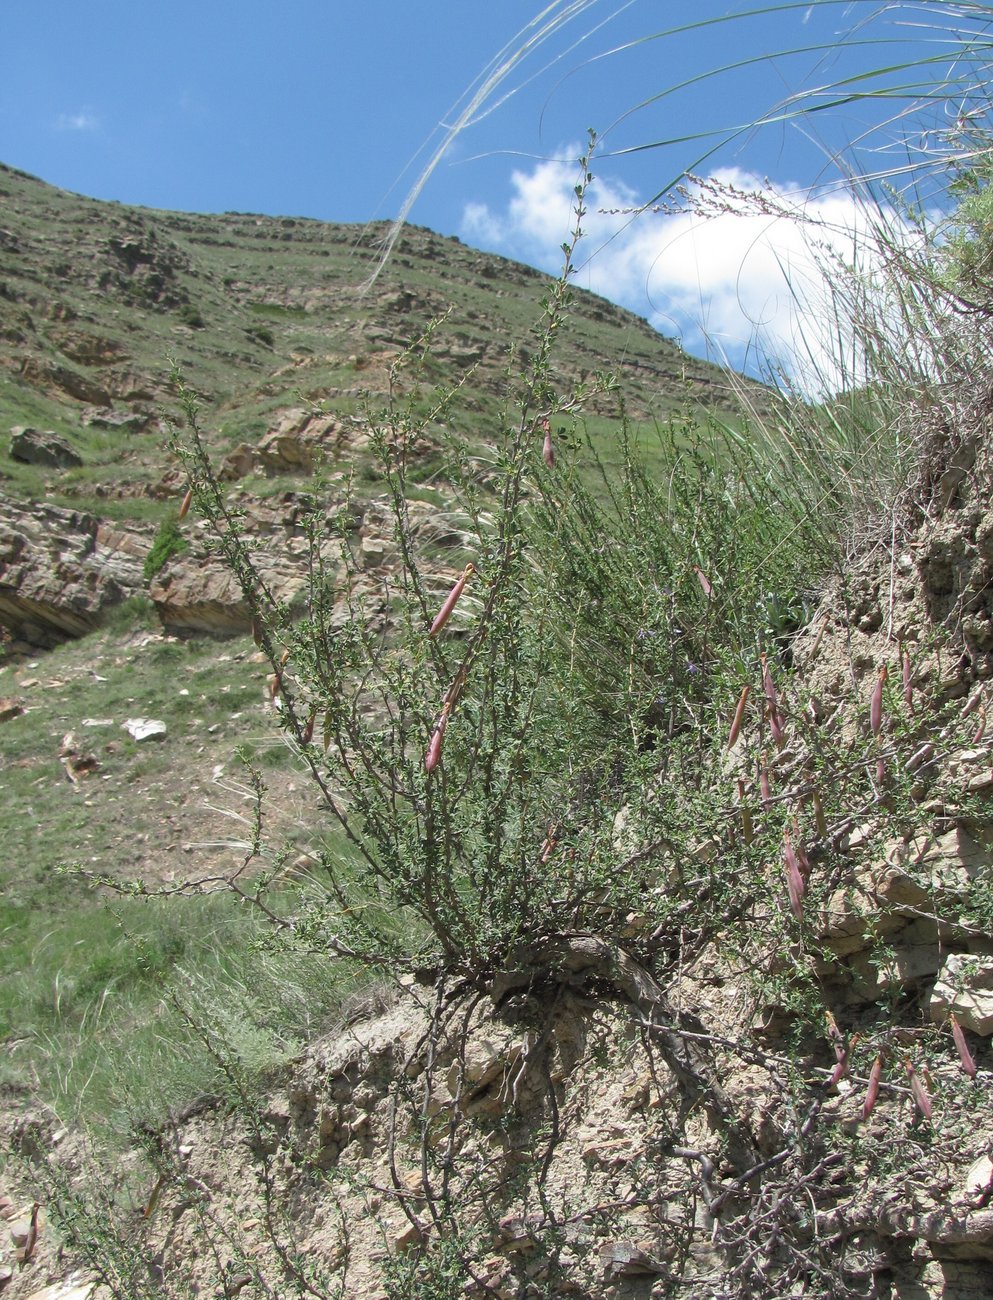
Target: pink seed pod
965 1056
772 701
451 600
980 731
840 1069
908 684
872 1091
433 756
920 1094
876 702
547 450
764 785
703 580
973 702
187 501
795 882
739 717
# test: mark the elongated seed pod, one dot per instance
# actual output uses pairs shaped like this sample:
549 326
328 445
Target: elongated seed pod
921 1099
187 501
973 702
257 631
803 862
965 1056
703 580
840 1069
451 600
739 717
772 701
547 450
433 755
764 785
920 757
908 682
980 731
872 1091
876 702
795 882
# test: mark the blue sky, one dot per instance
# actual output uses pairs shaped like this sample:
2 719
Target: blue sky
329 110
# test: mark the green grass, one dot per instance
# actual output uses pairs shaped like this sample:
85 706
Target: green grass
92 986
104 1005
273 311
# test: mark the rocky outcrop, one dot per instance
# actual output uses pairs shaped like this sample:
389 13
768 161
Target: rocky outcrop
196 594
903 906
61 570
32 447
301 438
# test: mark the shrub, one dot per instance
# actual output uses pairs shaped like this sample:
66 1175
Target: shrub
191 315
169 542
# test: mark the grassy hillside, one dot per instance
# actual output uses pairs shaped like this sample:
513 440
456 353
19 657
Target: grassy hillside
261 314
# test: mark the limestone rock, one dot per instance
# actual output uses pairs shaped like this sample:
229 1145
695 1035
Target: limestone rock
627 1259
67 1290
197 593
926 871
899 897
10 707
979 1180
299 439
964 988
63 381
237 464
61 570
32 447
144 728
109 417
373 551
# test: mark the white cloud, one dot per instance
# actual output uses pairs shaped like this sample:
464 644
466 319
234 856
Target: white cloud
742 274
84 121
